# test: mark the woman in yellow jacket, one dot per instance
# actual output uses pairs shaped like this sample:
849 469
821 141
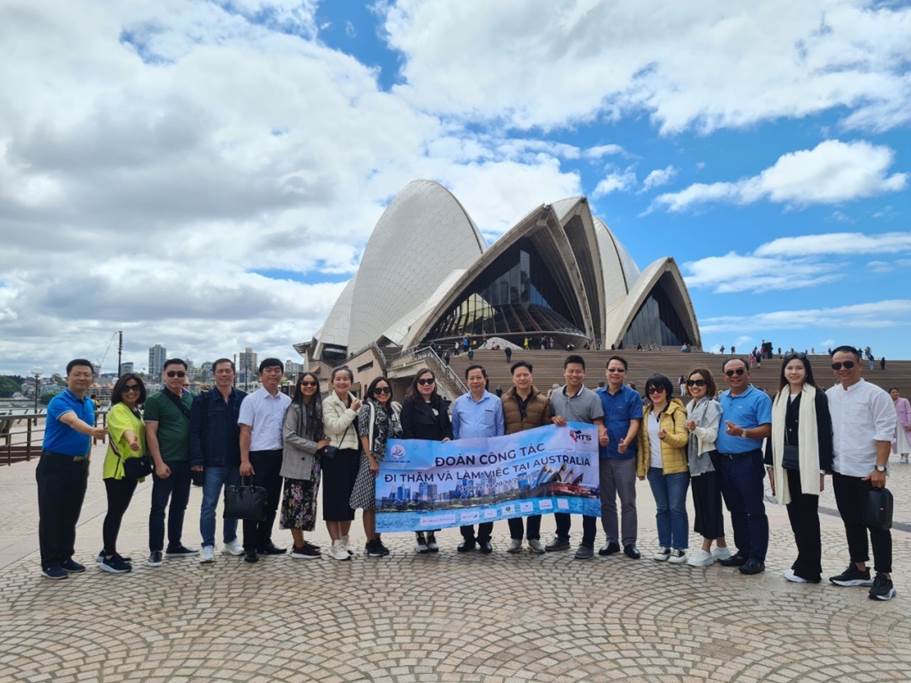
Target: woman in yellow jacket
662 457
126 440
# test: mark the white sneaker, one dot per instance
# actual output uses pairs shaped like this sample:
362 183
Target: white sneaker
677 557
535 546
515 546
792 577
207 555
338 551
722 553
233 548
344 540
662 554
700 558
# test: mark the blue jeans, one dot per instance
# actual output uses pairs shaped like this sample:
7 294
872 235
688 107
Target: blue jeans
214 479
670 500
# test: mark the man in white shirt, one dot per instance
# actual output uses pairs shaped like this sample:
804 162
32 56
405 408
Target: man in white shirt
261 416
863 421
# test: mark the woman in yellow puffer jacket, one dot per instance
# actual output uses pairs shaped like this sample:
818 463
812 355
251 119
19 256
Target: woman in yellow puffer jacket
662 458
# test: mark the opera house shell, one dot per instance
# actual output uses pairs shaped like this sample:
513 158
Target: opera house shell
426 279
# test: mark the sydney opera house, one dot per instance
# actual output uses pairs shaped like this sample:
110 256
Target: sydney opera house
427 280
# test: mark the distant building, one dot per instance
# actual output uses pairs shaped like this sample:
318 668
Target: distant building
205 372
157 356
247 366
126 368
293 369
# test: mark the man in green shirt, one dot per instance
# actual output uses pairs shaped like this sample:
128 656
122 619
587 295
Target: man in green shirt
167 418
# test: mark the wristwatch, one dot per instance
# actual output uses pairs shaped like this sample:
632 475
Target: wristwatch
881 468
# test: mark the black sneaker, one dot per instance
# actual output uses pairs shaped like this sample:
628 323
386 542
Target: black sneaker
115 564
180 551
737 560
54 571
271 550
882 588
420 543
250 555
155 558
432 543
632 552
751 567
852 576
485 547
100 557
305 552
609 549
72 566
375 548
467 546
557 544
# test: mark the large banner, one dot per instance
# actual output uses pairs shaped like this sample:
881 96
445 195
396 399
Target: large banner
432 484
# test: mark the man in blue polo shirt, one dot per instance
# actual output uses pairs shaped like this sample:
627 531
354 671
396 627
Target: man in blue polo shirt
617 460
62 472
746 419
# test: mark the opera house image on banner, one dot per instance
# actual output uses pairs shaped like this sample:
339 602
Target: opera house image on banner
426 281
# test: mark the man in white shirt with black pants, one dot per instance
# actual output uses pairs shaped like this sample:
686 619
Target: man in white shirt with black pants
863 422
262 414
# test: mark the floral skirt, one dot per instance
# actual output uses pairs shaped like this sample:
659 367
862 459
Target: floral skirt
299 504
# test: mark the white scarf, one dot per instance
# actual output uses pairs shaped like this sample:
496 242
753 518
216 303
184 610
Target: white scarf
807 443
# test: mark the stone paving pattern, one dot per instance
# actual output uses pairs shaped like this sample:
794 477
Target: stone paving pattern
444 617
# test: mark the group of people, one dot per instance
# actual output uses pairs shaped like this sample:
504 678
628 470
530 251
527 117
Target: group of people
292 446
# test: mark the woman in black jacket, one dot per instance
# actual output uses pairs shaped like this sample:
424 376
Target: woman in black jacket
798 454
425 415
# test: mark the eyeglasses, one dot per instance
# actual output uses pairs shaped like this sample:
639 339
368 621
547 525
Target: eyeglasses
695 382
308 384
621 370
426 382
847 365
176 373
731 373
655 390
130 387
382 390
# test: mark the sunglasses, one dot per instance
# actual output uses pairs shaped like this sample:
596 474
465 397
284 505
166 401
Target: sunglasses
695 382
732 373
176 373
426 382
382 390
131 387
308 384
655 390
847 365
621 370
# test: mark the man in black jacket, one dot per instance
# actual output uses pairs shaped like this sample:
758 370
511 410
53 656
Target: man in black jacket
215 451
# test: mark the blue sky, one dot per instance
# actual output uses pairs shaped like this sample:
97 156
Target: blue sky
215 168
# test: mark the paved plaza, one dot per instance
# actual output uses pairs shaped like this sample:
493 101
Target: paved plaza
444 617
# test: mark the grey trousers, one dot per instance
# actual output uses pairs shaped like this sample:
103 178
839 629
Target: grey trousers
618 477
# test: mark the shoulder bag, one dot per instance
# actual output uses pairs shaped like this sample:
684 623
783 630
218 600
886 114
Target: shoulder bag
133 468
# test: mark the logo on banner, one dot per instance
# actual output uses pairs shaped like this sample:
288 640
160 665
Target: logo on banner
579 438
397 452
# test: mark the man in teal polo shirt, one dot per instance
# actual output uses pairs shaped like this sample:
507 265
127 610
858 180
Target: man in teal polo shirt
167 418
746 419
63 470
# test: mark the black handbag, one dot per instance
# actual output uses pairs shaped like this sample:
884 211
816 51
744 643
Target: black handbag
329 452
246 501
790 457
878 513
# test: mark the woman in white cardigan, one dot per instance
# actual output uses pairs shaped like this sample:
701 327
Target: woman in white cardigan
798 454
340 460
703 415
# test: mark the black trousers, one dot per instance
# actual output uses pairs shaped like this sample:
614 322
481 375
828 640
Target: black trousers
484 531
120 493
706 490
851 498
531 530
175 488
803 513
266 465
61 490
588 528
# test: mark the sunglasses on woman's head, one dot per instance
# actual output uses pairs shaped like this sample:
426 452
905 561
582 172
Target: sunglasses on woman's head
848 364
735 371
695 382
426 382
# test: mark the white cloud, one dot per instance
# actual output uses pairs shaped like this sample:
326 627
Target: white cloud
846 243
658 177
831 172
619 181
705 66
877 314
599 151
